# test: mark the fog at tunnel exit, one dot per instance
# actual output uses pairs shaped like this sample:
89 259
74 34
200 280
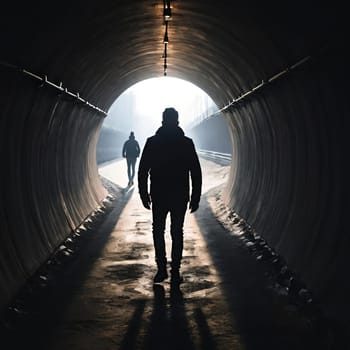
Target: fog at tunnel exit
140 107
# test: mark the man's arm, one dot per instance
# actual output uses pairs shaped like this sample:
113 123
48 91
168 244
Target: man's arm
143 171
124 149
196 179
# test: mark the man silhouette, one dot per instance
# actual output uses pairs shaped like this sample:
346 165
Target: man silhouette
170 158
131 150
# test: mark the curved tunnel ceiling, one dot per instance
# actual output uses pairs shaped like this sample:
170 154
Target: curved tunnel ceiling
101 48
288 177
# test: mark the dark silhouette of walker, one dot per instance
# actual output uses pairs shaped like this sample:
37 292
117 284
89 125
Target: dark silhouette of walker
131 150
170 158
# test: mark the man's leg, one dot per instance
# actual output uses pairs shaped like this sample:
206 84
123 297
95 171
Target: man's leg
159 213
128 161
177 215
133 162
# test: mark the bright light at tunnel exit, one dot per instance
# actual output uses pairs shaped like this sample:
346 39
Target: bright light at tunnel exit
154 95
141 106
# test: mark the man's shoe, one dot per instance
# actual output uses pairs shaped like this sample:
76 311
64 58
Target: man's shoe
176 277
160 276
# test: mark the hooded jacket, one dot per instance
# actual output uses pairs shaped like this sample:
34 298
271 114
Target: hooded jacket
170 158
131 148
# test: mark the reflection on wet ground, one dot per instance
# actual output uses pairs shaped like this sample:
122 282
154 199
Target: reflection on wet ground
105 299
129 312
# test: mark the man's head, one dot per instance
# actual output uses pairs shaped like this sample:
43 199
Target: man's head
170 117
131 136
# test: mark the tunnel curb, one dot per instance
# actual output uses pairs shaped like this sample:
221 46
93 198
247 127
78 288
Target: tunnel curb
17 312
283 280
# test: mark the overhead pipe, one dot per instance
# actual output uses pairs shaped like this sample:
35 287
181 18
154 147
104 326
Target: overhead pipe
59 87
246 94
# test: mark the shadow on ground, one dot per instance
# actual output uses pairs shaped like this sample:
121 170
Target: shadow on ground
169 326
39 307
264 318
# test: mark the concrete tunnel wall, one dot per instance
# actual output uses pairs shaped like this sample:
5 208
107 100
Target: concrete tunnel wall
49 180
289 180
289 173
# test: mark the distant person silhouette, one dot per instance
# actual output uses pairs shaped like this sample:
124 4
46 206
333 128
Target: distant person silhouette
131 150
170 158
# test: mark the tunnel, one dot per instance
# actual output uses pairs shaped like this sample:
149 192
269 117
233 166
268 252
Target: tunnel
278 72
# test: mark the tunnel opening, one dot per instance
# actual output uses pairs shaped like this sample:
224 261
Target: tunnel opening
139 109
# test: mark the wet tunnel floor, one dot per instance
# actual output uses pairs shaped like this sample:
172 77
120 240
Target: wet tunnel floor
105 298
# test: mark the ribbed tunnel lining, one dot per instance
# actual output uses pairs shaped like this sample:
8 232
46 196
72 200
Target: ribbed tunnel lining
288 177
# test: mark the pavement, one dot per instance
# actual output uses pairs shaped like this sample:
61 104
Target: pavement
103 297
